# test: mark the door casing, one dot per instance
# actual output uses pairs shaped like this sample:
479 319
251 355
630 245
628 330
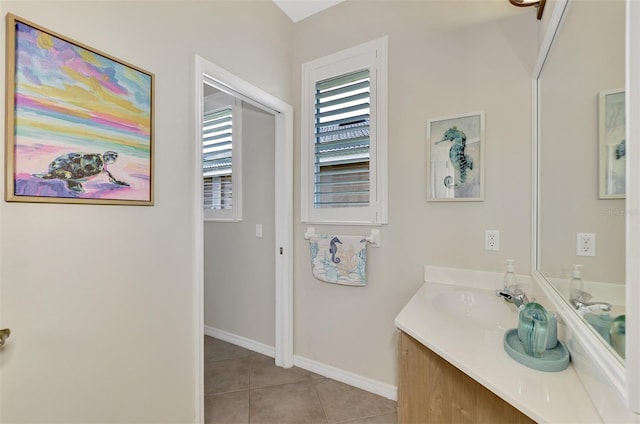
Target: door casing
238 87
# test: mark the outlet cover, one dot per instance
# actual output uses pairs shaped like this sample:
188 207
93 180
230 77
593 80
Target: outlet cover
492 240
586 244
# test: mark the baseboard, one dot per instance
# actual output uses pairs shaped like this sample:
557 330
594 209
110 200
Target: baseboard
382 389
240 341
385 390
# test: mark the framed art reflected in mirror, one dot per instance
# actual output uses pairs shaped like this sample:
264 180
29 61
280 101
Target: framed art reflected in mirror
611 144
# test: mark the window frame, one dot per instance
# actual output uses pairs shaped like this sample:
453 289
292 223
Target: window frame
373 56
234 214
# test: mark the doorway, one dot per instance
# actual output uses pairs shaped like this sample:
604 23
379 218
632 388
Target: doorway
223 81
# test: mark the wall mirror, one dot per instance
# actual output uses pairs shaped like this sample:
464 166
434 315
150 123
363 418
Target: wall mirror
581 201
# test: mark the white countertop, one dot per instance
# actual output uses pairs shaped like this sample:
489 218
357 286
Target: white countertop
477 350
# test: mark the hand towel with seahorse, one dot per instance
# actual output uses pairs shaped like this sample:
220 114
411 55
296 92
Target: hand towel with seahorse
339 259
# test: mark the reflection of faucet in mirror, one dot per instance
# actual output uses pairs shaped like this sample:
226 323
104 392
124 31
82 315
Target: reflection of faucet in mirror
579 298
583 306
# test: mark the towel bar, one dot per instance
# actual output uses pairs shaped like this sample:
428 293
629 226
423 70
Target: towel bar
373 239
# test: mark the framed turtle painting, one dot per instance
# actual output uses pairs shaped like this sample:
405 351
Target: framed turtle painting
79 123
455 158
612 146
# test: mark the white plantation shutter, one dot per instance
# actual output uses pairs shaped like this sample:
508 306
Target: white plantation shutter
217 159
342 141
344 136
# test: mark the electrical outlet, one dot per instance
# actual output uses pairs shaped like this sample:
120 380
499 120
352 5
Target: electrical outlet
492 240
586 244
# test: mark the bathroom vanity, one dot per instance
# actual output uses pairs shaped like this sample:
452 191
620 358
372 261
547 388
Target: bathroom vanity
434 391
451 330
453 366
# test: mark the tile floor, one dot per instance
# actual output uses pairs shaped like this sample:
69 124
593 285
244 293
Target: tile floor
242 386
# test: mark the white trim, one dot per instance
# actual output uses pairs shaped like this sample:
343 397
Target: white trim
547 41
284 238
198 257
283 225
632 99
244 342
373 386
374 56
535 152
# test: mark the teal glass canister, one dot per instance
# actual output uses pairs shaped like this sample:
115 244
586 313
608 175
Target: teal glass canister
533 329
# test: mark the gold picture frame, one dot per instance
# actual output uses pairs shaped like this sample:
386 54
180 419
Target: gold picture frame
79 123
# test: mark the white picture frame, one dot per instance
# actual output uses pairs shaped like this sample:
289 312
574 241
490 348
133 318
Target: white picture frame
611 144
455 158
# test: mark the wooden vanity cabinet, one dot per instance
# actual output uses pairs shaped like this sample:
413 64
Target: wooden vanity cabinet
431 390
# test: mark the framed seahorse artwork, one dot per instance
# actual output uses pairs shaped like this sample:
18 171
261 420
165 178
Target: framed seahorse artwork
611 144
79 123
455 158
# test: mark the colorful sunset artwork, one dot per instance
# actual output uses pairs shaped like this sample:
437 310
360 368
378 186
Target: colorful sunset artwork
81 122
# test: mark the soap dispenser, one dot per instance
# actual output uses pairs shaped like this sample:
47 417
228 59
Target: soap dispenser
576 287
510 279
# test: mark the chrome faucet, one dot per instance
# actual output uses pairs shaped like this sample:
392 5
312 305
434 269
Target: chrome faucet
513 295
580 301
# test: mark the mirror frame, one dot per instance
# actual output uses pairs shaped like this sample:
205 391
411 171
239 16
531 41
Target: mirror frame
624 379
632 99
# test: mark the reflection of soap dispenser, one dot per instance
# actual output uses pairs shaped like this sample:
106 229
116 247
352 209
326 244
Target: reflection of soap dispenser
510 279
576 286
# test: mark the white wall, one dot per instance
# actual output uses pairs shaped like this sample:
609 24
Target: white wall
239 267
100 299
579 66
445 58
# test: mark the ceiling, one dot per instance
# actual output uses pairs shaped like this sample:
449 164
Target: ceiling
482 11
297 10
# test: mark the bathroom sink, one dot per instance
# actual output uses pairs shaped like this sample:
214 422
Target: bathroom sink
475 308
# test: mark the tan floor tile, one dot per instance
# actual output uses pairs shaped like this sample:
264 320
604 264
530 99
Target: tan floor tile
227 408
317 377
264 372
226 376
295 403
218 350
378 419
342 402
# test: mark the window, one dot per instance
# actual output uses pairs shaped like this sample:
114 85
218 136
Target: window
221 158
344 137
217 159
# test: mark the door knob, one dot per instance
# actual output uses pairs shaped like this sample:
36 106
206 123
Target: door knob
4 335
